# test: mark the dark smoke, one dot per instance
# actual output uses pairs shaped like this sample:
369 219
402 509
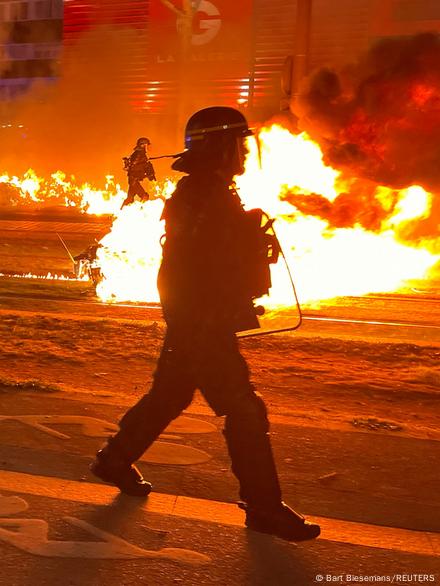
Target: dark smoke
380 118
357 207
379 121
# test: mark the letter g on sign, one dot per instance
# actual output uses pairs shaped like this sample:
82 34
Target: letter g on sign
209 27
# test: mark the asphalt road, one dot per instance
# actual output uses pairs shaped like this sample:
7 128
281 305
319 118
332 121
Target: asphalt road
375 493
378 518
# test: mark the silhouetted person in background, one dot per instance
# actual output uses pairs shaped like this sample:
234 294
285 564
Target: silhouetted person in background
206 298
138 167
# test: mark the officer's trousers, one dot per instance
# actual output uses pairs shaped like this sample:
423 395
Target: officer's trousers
135 188
214 365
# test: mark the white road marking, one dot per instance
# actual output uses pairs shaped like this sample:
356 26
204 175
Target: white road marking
170 453
31 536
363 534
161 452
90 426
93 427
11 505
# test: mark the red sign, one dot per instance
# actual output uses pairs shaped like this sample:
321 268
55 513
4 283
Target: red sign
217 37
206 56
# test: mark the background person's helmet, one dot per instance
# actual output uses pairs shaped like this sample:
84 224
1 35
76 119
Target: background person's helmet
143 141
215 122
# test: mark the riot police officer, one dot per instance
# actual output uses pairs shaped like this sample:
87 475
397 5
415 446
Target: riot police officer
138 167
205 302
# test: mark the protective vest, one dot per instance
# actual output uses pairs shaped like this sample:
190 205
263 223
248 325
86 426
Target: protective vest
216 257
138 166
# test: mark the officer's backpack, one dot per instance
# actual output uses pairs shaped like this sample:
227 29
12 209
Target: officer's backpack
127 164
147 171
259 249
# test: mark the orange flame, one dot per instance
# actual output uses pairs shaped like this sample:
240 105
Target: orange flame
62 191
327 261
47 277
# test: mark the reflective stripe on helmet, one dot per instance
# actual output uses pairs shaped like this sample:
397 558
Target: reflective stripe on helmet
198 133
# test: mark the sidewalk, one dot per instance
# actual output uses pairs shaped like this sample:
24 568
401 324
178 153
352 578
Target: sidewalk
58 526
402 540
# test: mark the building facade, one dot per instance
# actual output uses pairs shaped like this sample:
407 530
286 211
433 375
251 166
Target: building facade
231 53
30 43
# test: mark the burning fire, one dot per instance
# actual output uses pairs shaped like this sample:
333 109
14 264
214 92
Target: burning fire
327 261
57 190
130 254
47 277
332 251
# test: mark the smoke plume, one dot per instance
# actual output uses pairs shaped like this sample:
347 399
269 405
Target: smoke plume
381 117
379 120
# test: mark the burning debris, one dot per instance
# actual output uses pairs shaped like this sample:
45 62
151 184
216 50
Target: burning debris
33 192
355 195
337 237
379 120
86 266
47 277
329 254
30 190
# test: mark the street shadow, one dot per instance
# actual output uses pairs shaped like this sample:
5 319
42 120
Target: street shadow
279 563
119 516
123 518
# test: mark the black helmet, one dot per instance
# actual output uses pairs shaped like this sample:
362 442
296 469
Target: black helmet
214 139
213 122
143 141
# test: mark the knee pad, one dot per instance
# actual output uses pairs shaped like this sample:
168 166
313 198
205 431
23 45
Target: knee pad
248 416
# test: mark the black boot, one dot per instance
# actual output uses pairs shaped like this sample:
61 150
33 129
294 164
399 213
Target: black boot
113 469
282 522
248 441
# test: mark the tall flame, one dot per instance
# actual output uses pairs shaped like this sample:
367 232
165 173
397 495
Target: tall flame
328 261
286 176
130 254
